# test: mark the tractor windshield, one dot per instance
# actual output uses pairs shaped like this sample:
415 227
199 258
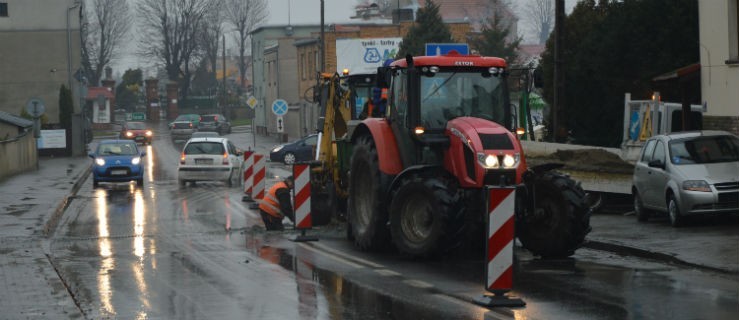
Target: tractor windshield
448 95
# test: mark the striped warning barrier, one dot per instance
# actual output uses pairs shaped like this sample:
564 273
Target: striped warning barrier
303 220
257 192
248 174
499 247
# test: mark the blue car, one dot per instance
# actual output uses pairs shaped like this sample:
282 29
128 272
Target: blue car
117 161
300 150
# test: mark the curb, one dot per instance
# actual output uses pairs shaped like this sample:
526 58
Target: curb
652 255
53 221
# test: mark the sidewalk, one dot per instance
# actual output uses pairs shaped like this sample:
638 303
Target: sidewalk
32 203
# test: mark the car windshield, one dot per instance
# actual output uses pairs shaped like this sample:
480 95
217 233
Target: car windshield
136 125
711 149
204 148
116 149
447 95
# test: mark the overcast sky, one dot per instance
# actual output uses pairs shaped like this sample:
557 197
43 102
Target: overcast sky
309 11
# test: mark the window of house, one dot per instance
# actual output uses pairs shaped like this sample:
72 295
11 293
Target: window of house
733 32
3 9
303 66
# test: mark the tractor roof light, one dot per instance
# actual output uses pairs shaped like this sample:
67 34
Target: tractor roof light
345 71
495 70
520 131
419 130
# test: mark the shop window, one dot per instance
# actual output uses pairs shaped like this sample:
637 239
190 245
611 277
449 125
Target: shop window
3 9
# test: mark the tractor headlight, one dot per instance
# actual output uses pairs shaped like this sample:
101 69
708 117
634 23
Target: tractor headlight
488 161
100 161
491 161
136 160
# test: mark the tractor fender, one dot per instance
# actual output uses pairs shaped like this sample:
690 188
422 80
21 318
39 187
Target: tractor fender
398 179
387 147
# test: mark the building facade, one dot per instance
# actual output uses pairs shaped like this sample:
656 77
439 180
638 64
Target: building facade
39 44
719 52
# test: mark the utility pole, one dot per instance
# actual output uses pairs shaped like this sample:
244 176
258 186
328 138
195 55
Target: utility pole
223 62
559 131
323 42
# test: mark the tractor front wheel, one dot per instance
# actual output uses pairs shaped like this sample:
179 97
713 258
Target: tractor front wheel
560 220
426 217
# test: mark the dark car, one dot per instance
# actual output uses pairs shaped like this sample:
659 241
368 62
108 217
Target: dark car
191 117
300 150
214 122
117 161
136 131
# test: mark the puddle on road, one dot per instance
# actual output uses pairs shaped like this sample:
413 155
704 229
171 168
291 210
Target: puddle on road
321 291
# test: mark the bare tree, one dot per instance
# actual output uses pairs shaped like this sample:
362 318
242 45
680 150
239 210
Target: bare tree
171 34
540 17
245 16
212 31
105 27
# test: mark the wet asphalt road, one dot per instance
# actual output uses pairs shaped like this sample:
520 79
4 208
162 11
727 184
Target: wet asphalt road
198 252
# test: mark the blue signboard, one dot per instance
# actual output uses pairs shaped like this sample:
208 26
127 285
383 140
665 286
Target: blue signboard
437 49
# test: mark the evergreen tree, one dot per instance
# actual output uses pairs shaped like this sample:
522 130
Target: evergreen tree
127 92
614 47
66 108
428 28
492 40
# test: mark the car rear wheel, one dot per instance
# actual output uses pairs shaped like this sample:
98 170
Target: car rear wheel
673 210
289 158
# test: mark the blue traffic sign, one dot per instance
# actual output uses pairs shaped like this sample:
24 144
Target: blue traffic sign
437 49
279 107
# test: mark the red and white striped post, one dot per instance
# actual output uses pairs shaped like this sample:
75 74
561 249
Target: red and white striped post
499 248
248 175
257 191
301 201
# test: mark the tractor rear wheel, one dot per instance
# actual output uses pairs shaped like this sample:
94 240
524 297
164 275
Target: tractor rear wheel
367 215
560 220
426 217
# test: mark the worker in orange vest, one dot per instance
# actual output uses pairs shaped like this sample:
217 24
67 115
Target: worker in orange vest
276 205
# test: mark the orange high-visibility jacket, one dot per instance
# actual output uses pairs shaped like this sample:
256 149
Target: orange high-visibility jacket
270 204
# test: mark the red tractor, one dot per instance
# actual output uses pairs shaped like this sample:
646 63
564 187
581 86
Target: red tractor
417 176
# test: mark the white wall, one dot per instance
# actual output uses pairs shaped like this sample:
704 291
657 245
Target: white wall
719 80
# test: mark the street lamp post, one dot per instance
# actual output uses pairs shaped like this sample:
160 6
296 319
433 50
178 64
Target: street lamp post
69 46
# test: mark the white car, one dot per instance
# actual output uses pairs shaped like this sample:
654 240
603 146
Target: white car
210 159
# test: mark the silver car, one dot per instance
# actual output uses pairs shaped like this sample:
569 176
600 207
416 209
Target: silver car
687 173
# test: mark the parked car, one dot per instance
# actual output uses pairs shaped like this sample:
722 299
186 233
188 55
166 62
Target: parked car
204 134
214 122
209 159
136 131
182 130
300 150
687 173
117 161
191 117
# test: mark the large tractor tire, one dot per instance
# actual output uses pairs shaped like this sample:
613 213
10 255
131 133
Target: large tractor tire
426 217
367 215
560 220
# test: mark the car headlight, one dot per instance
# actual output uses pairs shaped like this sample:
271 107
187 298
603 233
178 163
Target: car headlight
129 134
136 160
696 185
100 161
277 148
148 133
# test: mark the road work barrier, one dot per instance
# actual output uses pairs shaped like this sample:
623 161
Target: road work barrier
257 185
301 201
499 248
248 175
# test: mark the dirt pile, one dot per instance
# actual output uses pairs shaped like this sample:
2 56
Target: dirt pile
597 160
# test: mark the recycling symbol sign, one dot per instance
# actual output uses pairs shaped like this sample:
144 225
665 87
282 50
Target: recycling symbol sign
372 55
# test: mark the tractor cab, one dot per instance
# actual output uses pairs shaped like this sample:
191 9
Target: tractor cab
427 92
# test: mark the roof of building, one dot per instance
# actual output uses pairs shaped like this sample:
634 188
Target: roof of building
15 120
